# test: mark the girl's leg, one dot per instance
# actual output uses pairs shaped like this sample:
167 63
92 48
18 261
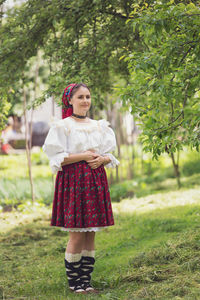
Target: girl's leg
76 242
89 243
73 258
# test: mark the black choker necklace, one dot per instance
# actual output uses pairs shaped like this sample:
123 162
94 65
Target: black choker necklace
78 116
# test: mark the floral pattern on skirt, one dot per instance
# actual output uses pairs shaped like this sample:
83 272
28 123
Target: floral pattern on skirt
81 197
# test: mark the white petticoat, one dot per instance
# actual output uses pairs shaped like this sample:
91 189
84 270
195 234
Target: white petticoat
84 229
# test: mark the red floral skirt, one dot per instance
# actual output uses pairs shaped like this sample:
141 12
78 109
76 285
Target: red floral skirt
81 197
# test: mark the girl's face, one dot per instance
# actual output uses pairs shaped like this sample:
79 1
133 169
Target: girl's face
81 101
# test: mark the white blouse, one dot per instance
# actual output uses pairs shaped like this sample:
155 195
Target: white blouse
68 136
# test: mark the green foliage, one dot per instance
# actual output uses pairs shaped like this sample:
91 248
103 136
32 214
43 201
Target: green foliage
4 108
163 91
77 45
33 83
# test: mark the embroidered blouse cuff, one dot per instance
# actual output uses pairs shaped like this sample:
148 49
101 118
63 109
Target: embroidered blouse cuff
55 162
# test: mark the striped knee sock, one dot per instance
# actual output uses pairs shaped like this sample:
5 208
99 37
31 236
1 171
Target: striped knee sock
73 271
87 268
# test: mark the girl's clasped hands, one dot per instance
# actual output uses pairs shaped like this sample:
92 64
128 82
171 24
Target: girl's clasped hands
93 159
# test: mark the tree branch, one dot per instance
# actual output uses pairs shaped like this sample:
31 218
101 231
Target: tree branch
190 42
169 123
181 114
173 127
184 56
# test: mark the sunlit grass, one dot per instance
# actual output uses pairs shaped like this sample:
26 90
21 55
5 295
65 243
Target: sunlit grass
158 201
15 166
30 213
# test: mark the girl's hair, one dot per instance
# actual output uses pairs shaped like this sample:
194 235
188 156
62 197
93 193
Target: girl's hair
76 87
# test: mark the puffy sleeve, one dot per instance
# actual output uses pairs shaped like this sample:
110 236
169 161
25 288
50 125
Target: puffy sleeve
108 143
55 145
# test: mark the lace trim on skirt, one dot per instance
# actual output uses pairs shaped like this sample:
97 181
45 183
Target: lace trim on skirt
84 229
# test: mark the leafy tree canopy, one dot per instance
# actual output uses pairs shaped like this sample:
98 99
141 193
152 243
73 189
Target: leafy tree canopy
164 86
82 41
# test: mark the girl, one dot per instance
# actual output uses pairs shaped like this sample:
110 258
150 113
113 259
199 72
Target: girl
78 148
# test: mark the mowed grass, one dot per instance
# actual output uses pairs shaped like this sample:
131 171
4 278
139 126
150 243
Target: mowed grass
152 252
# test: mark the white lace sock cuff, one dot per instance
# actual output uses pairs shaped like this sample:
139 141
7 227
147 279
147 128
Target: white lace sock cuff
72 257
90 253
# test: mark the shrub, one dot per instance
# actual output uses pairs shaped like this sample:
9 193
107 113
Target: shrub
122 190
191 167
39 158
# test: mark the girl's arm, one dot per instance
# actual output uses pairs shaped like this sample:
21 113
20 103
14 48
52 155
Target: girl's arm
76 157
72 158
106 160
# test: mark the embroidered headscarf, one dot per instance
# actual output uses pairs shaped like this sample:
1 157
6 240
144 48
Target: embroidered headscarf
67 109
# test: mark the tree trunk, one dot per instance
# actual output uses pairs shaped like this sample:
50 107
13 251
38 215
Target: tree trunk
28 152
142 160
133 151
35 95
111 117
1 14
176 169
118 142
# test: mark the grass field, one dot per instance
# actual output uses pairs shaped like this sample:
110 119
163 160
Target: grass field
152 252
